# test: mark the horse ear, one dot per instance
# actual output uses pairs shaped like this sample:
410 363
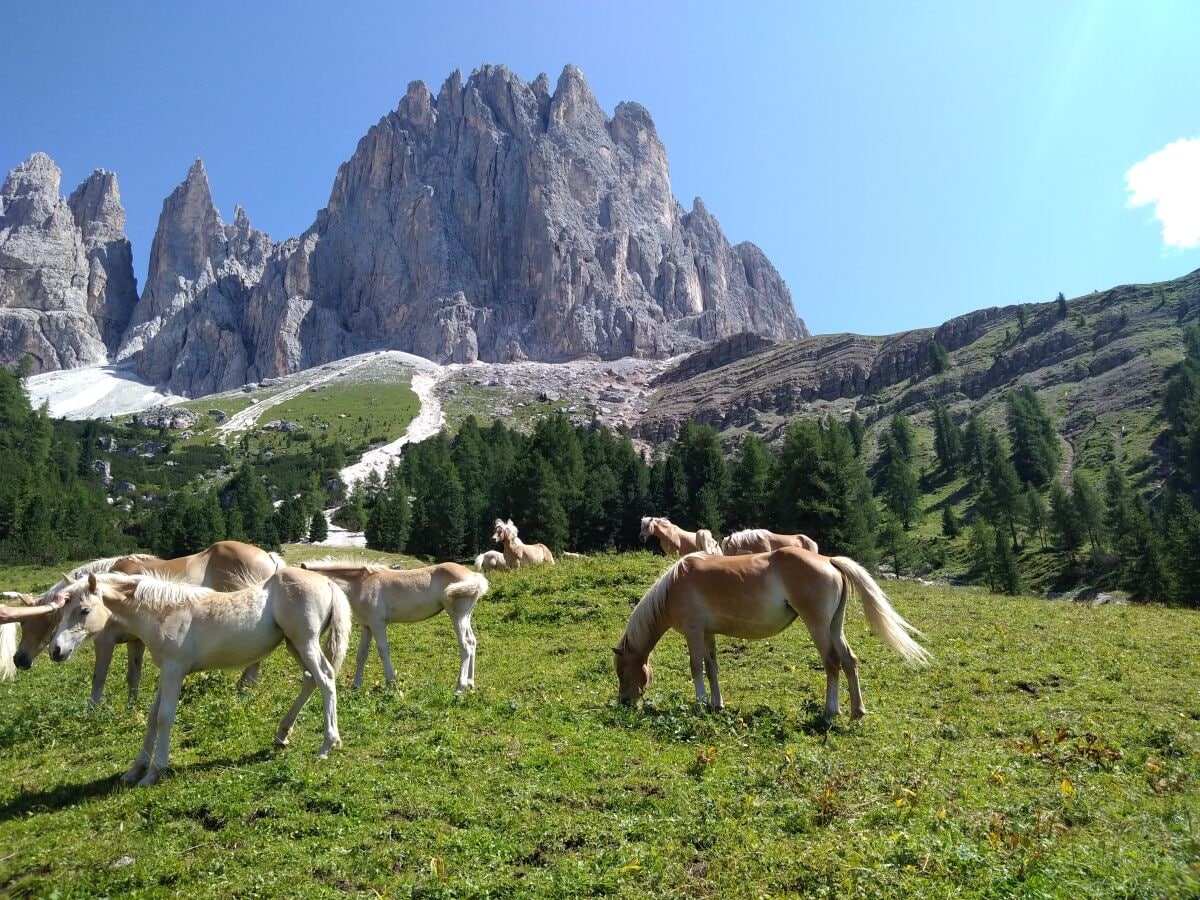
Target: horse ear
91 581
67 579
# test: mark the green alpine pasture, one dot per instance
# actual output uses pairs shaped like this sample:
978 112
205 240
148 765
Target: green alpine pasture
1051 750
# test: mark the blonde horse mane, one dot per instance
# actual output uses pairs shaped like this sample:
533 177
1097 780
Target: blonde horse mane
745 539
8 647
152 592
332 564
645 619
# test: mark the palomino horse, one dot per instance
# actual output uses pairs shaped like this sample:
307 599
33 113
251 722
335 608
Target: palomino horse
490 561
754 597
225 566
379 595
674 540
191 629
759 540
517 554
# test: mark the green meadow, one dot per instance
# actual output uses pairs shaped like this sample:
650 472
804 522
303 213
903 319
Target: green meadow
1051 750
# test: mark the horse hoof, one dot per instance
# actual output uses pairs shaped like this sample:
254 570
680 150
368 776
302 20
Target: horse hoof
280 743
857 715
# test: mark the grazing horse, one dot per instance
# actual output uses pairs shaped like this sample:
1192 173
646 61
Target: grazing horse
225 566
754 597
759 540
379 595
191 629
517 554
490 561
674 540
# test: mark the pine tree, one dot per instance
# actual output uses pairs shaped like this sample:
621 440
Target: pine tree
857 431
939 360
1000 497
1060 303
318 529
947 439
752 486
1089 510
950 524
1065 520
1034 515
1006 576
1035 451
981 548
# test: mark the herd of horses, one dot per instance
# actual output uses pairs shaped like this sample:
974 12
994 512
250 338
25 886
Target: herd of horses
231 605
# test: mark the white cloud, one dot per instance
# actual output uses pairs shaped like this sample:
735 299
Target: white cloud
1170 180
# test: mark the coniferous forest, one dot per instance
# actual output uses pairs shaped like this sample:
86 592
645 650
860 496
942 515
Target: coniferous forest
585 488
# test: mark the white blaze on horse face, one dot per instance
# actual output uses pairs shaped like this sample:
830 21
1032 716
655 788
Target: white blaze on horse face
84 614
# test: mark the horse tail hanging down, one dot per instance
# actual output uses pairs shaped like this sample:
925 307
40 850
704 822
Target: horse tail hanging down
705 542
885 622
8 647
472 587
339 629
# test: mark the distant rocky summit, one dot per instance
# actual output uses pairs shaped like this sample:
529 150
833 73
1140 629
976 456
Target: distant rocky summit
498 220
67 287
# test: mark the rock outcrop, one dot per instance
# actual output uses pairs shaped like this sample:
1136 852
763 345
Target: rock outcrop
66 268
188 330
500 220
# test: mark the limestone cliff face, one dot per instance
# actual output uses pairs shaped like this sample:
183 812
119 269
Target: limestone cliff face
188 329
502 221
66 269
499 220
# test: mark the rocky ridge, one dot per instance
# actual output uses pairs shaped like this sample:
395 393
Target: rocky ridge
67 286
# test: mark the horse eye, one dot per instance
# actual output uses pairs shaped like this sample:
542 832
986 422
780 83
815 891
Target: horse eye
85 610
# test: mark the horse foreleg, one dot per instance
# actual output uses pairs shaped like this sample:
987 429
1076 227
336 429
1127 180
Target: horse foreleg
170 682
142 760
696 654
364 649
105 644
466 650
385 655
133 668
710 663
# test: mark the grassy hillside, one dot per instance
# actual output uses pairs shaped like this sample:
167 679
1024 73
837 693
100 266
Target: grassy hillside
1051 750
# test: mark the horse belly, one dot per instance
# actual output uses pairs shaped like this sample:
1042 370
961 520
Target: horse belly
414 607
753 619
232 638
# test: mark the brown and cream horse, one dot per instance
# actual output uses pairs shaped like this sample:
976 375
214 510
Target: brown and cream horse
225 566
755 597
193 629
517 553
379 596
759 540
674 540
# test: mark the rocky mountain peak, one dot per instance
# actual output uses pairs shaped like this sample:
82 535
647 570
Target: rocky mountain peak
66 269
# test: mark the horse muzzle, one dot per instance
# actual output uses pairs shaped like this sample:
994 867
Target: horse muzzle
58 654
22 660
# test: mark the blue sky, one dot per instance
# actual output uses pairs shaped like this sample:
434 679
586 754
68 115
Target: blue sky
899 163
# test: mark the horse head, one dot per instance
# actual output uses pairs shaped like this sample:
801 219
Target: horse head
84 612
634 673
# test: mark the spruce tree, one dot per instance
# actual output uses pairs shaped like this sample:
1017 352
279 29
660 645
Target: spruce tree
1065 520
950 524
752 486
1035 451
1089 510
947 439
318 529
1006 576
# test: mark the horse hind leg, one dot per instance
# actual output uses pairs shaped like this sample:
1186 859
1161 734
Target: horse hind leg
133 668
849 665
249 677
466 648
823 639
307 686
319 674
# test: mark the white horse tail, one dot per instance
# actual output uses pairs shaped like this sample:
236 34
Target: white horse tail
8 646
479 562
472 587
339 629
705 542
887 624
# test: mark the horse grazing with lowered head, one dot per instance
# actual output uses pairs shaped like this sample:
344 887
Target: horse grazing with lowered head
516 553
225 566
674 540
755 597
191 629
759 540
490 561
379 596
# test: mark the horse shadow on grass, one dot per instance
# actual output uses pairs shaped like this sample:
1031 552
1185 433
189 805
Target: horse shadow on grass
64 795
689 722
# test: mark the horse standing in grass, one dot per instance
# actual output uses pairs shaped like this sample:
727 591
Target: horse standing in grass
516 553
379 596
191 629
225 566
490 561
674 540
755 597
759 540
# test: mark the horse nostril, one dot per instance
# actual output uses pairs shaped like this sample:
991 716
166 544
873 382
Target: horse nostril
22 661
56 654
